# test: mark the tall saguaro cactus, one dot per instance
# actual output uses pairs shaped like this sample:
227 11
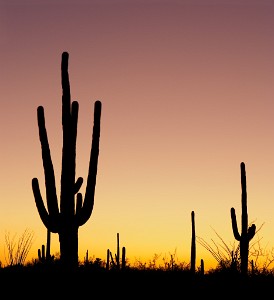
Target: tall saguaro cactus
247 232
74 211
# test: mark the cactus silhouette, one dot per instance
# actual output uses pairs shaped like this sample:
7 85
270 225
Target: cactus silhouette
42 256
86 261
107 263
123 258
117 256
247 232
202 267
116 262
193 244
73 211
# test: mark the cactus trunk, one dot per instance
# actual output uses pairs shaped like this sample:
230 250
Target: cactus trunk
69 246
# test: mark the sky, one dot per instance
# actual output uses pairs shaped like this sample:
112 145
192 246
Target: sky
187 92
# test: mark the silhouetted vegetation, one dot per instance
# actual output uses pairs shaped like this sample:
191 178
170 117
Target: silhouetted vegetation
141 279
247 232
74 211
17 249
193 244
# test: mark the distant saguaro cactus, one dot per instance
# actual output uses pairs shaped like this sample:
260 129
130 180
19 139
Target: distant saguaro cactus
247 232
202 268
116 263
41 252
123 258
72 213
193 244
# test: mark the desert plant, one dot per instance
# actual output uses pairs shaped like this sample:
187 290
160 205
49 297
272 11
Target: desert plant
123 258
86 259
193 244
202 267
108 263
227 256
18 250
44 256
41 254
262 258
247 233
72 213
116 262
173 263
117 255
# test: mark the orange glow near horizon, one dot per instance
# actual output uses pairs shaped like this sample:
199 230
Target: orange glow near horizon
187 95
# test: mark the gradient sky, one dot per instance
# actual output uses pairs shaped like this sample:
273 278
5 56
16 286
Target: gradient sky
187 94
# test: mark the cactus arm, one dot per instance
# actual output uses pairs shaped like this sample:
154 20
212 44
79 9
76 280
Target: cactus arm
234 225
51 196
112 260
40 254
46 219
251 231
39 202
88 203
78 185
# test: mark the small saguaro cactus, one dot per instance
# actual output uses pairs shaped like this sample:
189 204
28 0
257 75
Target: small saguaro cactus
202 268
116 262
247 233
73 211
193 244
42 256
118 252
86 260
123 258
108 255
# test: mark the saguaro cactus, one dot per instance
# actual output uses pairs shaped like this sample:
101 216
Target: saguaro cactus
73 211
118 252
247 232
41 252
202 268
116 263
193 244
